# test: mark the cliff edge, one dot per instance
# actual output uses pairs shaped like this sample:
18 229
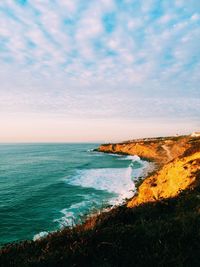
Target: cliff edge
160 226
178 159
160 149
174 177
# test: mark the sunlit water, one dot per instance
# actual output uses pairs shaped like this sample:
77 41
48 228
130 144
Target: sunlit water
44 187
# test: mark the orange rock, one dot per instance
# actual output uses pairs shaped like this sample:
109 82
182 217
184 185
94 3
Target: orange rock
179 162
174 177
153 149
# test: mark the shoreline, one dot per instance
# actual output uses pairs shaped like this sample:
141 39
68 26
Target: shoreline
147 170
153 165
164 212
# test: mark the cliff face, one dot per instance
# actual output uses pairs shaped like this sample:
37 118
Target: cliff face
179 161
174 177
161 150
170 229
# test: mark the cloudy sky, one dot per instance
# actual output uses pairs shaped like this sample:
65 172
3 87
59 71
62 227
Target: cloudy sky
98 70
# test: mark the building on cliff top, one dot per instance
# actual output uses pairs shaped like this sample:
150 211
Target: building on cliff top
195 134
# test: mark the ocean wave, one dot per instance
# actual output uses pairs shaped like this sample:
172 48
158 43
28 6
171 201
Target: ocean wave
77 211
112 180
91 150
119 182
40 235
112 154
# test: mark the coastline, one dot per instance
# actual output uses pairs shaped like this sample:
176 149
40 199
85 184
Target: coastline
166 152
149 229
113 180
148 168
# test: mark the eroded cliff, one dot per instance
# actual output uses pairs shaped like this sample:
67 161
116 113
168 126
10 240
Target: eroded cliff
174 177
179 165
157 233
161 150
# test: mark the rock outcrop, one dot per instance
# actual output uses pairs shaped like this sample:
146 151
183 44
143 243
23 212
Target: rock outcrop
174 177
157 233
160 150
178 159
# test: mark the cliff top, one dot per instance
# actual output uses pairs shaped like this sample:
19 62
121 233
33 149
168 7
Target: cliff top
158 227
159 149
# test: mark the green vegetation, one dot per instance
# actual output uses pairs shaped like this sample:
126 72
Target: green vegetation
165 233
195 147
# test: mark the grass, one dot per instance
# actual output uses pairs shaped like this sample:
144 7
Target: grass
193 149
166 233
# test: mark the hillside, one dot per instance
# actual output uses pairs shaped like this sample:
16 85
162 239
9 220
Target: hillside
160 226
178 159
174 177
161 149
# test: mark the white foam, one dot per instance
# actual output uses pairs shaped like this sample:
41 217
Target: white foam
40 235
117 181
70 217
111 154
90 150
133 158
113 180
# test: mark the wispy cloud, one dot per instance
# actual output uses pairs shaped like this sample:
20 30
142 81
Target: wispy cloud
111 58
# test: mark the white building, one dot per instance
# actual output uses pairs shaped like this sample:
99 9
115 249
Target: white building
195 134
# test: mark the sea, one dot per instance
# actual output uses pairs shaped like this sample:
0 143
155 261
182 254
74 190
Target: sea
45 187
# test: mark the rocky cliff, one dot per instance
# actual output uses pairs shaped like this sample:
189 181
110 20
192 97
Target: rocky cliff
156 233
160 149
174 177
179 165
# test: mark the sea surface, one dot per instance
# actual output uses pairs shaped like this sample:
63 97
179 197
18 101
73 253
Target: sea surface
44 187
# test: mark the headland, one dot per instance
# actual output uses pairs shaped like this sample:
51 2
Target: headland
159 226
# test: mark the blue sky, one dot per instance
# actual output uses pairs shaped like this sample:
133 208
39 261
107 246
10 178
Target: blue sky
102 62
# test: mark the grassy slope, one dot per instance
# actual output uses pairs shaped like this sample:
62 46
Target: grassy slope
175 176
164 233
152 148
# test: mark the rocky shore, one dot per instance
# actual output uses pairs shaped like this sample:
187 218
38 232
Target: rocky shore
178 161
160 149
159 226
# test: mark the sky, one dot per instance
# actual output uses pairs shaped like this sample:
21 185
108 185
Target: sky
98 70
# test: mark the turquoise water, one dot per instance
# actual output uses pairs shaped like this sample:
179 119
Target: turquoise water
44 187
